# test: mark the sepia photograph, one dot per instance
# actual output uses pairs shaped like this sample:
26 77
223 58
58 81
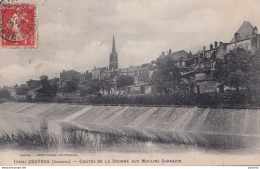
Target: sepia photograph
129 82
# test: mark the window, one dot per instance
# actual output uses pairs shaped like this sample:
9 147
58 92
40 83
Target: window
246 46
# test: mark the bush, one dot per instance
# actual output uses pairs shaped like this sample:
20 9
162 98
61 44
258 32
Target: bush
141 100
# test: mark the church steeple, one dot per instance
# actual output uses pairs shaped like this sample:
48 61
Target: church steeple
113 62
113 45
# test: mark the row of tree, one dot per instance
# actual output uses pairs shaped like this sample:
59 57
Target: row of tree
93 87
106 85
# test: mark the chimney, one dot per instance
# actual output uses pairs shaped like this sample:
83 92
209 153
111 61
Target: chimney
216 44
211 46
163 53
204 49
170 51
255 31
237 36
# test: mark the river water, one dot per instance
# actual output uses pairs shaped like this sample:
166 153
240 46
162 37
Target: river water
181 130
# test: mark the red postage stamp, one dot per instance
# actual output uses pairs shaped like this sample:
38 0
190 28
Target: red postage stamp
18 25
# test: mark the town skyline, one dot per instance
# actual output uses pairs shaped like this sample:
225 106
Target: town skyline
157 80
134 46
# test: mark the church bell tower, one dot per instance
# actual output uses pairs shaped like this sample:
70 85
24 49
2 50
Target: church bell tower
113 62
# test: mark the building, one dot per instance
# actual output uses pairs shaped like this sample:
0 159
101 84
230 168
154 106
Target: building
34 92
32 84
12 91
178 55
98 73
113 61
246 37
101 73
84 77
139 89
68 75
54 82
198 68
142 74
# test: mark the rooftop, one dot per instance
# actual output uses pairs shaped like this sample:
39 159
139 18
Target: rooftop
245 31
181 54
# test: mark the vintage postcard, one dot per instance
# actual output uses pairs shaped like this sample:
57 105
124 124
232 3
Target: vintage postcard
129 82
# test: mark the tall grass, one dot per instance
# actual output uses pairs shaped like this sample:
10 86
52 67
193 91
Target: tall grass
68 139
5 138
95 141
34 138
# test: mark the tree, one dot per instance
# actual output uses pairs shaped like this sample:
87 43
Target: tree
255 75
71 86
47 90
4 93
123 81
21 91
44 81
106 85
55 86
236 69
92 87
166 76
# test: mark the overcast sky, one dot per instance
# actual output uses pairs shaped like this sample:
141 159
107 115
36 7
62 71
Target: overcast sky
77 34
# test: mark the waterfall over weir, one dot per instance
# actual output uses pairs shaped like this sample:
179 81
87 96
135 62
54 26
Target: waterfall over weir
215 128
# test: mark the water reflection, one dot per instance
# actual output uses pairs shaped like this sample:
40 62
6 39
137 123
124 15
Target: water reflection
84 140
76 137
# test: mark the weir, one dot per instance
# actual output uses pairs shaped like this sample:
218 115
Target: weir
221 128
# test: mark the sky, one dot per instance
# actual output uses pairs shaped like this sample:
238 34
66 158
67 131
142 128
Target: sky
77 34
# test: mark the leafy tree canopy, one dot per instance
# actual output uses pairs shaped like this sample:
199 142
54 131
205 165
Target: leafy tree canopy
237 69
48 89
71 86
166 76
123 81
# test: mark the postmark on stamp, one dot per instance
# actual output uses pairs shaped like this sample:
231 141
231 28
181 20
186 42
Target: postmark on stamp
18 25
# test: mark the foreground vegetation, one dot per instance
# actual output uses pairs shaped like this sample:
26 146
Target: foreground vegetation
35 139
84 140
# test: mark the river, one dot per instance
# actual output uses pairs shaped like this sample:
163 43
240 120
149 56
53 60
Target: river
82 128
